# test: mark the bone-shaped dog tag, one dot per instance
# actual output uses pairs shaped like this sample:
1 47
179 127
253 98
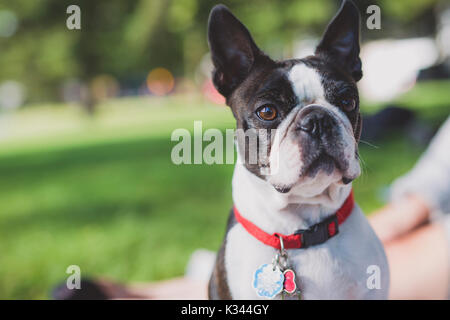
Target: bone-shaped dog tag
289 285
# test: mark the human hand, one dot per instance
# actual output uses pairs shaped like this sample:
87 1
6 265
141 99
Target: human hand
400 217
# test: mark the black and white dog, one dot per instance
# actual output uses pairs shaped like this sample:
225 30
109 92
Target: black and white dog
295 231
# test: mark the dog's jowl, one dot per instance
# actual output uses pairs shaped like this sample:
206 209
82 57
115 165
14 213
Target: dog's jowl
294 231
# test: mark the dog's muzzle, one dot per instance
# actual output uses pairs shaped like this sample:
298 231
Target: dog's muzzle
316 121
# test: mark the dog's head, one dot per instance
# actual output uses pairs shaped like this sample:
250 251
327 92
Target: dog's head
308 108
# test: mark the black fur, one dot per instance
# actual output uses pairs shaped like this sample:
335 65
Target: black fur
249 79
340 42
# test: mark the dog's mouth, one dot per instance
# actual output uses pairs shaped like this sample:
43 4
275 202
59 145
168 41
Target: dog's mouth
325 163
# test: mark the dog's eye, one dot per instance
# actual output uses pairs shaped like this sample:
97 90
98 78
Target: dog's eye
267 112
348 104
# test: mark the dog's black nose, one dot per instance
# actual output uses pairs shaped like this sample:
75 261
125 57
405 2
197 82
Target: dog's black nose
317 122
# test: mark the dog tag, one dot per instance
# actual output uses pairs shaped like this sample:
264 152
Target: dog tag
271 279
268 281
289 285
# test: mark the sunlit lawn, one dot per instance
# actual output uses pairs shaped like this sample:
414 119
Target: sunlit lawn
103 194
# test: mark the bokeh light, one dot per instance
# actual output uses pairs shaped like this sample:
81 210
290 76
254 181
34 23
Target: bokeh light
8 23
104 86
210 92
160 81
72 90
12 94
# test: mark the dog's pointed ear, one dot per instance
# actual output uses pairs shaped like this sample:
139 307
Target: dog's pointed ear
233 50
340 42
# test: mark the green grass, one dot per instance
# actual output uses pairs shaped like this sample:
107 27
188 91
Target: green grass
120 210
103 194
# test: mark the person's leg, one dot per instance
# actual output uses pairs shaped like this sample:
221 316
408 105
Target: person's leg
419 264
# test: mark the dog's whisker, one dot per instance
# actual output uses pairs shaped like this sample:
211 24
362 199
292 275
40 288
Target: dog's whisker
363 165
369 144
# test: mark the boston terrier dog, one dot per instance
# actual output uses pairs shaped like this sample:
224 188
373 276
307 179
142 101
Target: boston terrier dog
295 231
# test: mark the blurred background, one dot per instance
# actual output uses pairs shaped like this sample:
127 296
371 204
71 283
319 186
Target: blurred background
86 117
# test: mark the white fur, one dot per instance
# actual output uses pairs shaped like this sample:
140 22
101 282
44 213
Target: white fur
333 270
306 83
336 269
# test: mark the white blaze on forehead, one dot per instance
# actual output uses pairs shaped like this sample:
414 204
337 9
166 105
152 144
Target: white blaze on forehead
306 83
307 86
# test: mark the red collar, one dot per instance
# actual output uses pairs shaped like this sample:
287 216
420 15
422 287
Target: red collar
302 239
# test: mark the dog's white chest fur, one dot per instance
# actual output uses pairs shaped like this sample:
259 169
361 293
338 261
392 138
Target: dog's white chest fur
337 269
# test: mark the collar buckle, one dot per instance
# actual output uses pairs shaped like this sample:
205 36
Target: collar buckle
318 233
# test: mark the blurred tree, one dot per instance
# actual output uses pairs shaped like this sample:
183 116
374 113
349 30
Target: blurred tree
126 39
